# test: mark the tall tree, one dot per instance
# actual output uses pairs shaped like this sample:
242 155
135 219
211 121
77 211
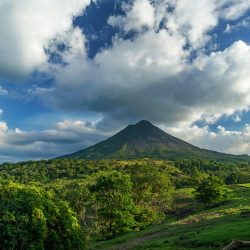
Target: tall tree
152 192
114 204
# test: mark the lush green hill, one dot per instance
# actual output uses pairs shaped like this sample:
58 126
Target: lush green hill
166 221
196 228
146 140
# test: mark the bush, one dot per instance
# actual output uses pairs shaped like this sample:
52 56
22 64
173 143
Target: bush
209 190
32 218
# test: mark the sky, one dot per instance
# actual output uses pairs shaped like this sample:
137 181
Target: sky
73 73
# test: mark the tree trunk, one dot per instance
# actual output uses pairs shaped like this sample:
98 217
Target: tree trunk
237 244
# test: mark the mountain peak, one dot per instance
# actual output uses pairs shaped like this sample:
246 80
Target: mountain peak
142 129
140 140
144 123
141 124
145 140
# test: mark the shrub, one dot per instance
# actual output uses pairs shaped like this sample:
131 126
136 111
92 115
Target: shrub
210 190
32 218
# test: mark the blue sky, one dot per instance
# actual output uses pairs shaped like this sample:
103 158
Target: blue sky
73 73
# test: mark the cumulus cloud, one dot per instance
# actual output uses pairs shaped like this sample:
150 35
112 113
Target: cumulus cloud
140 15
152 75
65 137
158 84
234 9
184 17
130 83
188 19
222 140
27 27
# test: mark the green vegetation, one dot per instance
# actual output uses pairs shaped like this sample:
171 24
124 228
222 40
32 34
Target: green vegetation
195 227
209 190
107 204
114 204
31 218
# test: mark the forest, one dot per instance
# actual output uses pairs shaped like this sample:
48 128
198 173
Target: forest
78 204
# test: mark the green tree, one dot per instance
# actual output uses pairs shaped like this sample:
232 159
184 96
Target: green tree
114 204
238 177
209 190
152 192
80 200
32 218
151 186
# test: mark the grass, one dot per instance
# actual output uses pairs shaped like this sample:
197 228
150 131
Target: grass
200 229
247 185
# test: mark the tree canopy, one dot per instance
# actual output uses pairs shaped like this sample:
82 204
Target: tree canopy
209 189
32 218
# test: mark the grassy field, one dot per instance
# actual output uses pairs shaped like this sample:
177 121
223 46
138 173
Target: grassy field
247 185
191 226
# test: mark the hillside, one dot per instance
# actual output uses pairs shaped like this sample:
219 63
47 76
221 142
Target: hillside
163 210
144 140
192 227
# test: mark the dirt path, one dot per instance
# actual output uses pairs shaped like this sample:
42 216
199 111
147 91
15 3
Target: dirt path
138 241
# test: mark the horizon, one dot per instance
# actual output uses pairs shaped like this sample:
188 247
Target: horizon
69 79
137 124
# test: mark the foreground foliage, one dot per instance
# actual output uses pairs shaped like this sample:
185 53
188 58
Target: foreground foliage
31 218
109 198
131 200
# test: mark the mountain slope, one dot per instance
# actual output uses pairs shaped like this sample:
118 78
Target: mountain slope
146 140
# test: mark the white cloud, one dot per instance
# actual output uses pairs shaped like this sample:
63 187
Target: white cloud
194 18
237 118
234 8
109 84
151 80
3 91
138 16
152 72
65 137
228 29
227 141
27 27
245 23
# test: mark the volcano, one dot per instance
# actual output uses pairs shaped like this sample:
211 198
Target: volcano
144 140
